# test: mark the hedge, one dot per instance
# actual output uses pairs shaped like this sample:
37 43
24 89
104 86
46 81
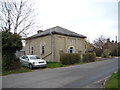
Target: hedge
10 63
68 58
89 57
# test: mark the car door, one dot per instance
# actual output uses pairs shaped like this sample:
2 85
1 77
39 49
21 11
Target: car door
23 60
26 62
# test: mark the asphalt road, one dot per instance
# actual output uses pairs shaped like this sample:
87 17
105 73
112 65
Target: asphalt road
78 76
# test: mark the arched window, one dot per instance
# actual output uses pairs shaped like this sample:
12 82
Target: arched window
32 50
42 49
71 50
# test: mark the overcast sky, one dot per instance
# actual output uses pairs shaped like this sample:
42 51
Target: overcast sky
91 18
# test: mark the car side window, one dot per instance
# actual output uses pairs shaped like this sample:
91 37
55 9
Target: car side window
26 58
23 57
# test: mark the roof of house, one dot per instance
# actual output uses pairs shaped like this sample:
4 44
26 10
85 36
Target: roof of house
57 30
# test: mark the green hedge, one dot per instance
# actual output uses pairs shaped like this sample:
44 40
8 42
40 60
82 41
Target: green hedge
89 57
68 58
10 62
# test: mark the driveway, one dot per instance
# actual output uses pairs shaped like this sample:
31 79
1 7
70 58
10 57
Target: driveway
77 76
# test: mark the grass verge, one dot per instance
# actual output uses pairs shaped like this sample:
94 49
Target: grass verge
113 81
58 64
21 70
54 65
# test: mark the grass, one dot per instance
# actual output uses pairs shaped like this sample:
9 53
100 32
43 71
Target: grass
21 70
54 65
113 81
58 64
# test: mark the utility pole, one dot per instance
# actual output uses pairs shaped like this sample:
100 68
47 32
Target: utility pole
116 46
116 38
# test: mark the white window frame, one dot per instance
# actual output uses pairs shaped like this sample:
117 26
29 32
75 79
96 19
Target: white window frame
69 49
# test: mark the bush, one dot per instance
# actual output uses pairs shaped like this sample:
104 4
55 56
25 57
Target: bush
106 53
116 51
10 44
68 59
98 52
10 63
89 57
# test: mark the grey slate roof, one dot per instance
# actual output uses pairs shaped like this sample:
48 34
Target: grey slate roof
58 30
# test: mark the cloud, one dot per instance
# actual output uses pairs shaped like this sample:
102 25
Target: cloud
88 17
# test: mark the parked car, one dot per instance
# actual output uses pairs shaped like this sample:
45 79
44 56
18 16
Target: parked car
32 61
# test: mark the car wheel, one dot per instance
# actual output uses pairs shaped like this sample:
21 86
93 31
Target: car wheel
30 66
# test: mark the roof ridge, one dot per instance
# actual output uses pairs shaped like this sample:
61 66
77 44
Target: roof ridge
58 30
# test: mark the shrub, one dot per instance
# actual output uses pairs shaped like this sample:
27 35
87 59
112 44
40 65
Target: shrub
116 51
89 57
10 63
98 51
106 53
10 44
68 58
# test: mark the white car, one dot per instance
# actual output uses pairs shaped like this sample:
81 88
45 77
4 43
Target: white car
32 61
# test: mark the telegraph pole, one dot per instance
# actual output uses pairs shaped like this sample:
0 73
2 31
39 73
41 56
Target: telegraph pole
116 47
116 38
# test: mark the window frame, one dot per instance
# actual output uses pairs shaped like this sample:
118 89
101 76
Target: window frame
32 50
42 49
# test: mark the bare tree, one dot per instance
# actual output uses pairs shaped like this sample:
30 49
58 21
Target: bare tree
16 16
98 43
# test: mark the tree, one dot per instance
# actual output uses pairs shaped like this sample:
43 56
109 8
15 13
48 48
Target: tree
99 45
10 43
16 16
89 46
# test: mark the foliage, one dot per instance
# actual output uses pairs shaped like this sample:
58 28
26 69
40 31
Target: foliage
10 62
89 46
20 70
68 58
113 81
98 51
10 43
98 43
116 51
101 45
106 53
89 57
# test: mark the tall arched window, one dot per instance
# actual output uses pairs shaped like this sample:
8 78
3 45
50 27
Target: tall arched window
42 49
32 50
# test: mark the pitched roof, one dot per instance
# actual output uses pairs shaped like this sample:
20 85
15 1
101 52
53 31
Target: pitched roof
58 30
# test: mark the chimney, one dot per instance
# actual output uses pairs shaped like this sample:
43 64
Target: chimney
112 41
39 31
108 40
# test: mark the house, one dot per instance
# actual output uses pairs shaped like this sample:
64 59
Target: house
49 44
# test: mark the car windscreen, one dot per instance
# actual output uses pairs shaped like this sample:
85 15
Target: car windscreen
34 57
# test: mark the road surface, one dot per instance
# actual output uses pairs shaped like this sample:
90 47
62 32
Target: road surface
77 76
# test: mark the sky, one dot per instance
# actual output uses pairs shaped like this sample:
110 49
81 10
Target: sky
91 18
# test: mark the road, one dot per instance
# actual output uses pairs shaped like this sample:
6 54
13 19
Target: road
77 76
